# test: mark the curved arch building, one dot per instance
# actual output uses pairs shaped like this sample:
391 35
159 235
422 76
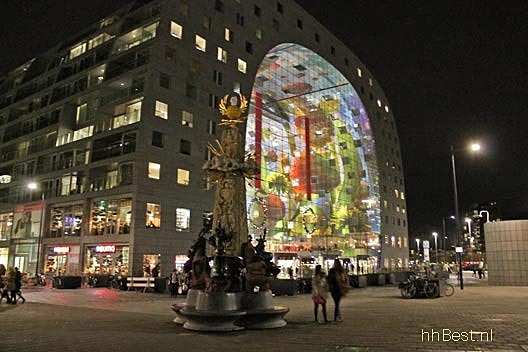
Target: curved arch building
111 128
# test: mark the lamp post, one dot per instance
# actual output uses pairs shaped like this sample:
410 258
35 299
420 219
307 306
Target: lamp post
444 235
435 235
475 148
33 186
418 249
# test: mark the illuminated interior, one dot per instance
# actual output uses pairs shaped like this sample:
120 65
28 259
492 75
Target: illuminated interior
311 136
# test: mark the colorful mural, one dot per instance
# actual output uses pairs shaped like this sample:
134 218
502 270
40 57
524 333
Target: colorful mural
312 139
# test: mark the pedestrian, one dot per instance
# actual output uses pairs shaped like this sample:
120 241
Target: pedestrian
338 286
174 282
156 270
2 270
18 286
11 285
319 292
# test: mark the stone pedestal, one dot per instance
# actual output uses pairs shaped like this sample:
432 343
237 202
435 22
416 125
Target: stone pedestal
214 311
261 313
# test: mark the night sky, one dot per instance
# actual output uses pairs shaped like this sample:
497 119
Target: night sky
453 71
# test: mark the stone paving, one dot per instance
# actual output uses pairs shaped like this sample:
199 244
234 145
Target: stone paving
375 319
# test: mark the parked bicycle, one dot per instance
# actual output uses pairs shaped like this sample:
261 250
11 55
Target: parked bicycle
416 286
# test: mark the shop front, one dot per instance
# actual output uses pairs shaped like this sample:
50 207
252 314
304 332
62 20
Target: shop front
106 259
62 260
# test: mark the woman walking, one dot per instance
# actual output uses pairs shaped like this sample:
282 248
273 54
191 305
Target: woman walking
338 285
319 292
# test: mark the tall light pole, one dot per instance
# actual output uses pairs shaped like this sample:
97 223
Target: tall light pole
444 235
435 235
475 148
33 186
418 249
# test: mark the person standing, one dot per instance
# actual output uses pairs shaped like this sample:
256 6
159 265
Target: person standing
174 282
319 292
18 286
337 284
11 285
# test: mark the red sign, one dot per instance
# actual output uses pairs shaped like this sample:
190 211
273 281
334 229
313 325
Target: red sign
105 249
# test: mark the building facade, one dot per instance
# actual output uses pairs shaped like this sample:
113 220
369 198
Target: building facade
103 138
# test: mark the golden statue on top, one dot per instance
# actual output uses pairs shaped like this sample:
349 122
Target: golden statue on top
233 112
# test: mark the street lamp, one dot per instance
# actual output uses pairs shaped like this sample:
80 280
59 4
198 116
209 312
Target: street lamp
435 235
444 235
33 186
474 148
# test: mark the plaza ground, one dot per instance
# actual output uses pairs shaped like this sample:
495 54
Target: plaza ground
375 319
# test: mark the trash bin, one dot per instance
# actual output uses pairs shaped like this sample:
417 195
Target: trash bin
160 285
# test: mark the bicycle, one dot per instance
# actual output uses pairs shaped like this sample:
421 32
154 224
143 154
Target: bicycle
449 290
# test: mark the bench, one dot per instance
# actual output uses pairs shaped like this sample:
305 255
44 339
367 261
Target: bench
144 283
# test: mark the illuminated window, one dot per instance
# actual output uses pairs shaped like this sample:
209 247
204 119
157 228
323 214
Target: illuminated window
242 66
187 119
393 241
379 103
221 55
229 35
153 215
83 133
370 82
183 177
200 43
386 108
176 30
206 22
359 73
402 195
162 110
183 219
154 170
77 50
82 113
258 33
396 193
236 87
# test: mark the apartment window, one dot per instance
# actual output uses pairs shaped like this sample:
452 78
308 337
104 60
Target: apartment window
378 102
229 35
257 11
187 119
213 101
162 110
332 50
164 81
316 37
258 33
170 54
299 24
386 108
206 23
242 66
249 47
211 127
346 61
240 19
191 91
176 30
154 170
183 177
184 9
221 55
153 215
236 87
402 195
217 77
82 113
157 139
219 6
77 50
183 219
280 8
370 82
359 73
200 43
185 147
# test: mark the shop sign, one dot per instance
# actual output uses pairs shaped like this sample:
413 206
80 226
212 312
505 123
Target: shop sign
105 249
61 250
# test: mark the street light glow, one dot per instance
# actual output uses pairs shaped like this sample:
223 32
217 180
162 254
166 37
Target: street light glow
32 185
475 147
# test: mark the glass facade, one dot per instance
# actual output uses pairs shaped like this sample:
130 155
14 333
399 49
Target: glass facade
311 136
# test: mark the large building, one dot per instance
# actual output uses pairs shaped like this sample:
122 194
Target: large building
103 138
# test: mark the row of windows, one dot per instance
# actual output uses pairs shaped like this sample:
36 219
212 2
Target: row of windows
182 176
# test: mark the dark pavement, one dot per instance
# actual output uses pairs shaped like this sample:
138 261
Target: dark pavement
375 319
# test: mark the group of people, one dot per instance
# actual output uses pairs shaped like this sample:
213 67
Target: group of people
336 283
10 285
177 283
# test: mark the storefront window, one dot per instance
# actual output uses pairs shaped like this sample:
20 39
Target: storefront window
110 217
107 259
153 215
6 224
150 261
66 221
